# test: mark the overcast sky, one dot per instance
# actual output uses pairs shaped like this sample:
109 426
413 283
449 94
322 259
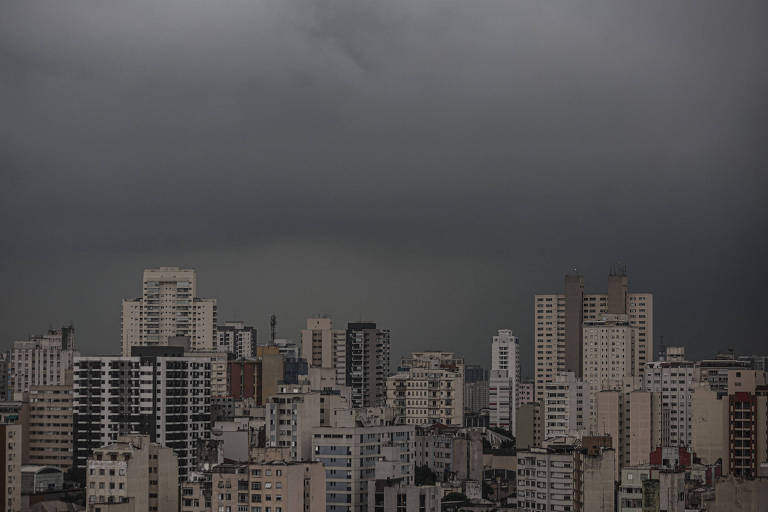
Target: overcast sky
426 164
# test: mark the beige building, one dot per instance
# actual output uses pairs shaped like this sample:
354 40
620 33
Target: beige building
50 441
42 360
169 306
530 425
609 355
559 320
10 467
632 420
132 475
325 347
709 426
567 407
270 485
428 389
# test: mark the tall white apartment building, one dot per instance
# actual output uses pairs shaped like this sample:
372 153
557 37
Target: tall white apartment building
42 360
169 306
167 397
559 320
674 382
353 454
566 407
504 380
428 388
237 339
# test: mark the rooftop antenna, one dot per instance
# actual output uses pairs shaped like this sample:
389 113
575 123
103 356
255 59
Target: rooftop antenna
273 328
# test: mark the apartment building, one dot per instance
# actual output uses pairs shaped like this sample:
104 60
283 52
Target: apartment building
132 473
451 453
257 378
49 432
530 425
159 392
169 306
354 452
294 412
674 382
648 488
367 356
394 495
475 388
559 321
632 419
42 360
274 486
565 476
747 422
567 407
237 339
428 388
504 380
609 356
10 466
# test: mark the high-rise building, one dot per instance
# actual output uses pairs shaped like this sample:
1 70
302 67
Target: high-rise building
566 407
325 347
367 363
158 391
132 473
475 388
747 422
169 306
428 388
255 378
526 393
4 375
559 322
504 379
237 339
10 467
43 360
564 475
292 413
50 441
353 454
609 356
674 381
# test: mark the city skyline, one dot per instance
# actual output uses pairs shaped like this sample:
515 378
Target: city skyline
427 167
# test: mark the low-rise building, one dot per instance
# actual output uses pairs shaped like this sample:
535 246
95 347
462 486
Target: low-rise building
132 474
277 486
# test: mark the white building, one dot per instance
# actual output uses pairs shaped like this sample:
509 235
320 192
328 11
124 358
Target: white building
353 455
169 306
167 398
237 339
559 320
42 360
567 407
504 380
429 388
674 382
292 414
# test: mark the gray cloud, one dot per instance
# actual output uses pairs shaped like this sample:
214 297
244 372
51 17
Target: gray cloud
426 164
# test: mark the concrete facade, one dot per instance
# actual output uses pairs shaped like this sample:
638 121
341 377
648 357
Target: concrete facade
427 389
10 467
559 320
50 431
42 360
132 473
504 380
169 306
567 407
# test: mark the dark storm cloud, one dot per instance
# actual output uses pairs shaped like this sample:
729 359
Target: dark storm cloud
427 164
